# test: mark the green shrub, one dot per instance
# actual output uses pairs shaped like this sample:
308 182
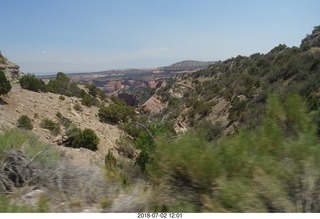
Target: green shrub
25 122
50 125
102 94
88 140
96 91
77 107
112 113
93 89
61 97
30 82
110 161
5 85
82 139
88 100
114 171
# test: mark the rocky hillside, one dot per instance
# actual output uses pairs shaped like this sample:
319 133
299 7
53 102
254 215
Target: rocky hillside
53 177
313 39
39 106
11 70
239 136
232 94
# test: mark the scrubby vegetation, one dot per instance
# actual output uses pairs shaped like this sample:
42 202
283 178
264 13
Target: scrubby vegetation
95 91
115 112
269 169
88 100
243 83
25 122
27 164
48 124
78 138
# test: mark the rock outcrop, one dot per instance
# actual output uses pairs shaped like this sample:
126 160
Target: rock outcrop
153 105
11 70
313 39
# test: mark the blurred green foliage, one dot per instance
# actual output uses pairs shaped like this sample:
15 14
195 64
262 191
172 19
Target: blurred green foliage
273 168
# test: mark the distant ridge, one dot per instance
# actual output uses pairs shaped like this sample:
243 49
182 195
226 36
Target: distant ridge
187 65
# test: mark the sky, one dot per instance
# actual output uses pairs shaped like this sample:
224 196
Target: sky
48 36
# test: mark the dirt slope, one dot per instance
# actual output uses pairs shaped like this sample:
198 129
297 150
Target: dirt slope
45 105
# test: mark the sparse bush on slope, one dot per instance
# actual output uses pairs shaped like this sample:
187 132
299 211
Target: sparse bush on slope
48 124
25 122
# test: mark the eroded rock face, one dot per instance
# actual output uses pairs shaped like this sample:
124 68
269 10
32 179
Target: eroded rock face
313 39
153 105
11 70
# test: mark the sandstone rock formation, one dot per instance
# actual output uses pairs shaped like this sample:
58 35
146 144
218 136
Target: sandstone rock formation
11 70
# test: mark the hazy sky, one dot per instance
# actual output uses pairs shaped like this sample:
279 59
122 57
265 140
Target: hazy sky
94 35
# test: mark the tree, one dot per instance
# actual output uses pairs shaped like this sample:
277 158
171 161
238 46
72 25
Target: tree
5 85
62 77
87 99
112 113
93 89
60 85
116 112
63 85
30 82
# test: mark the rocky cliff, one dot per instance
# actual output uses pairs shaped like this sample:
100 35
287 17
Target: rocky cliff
11 70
